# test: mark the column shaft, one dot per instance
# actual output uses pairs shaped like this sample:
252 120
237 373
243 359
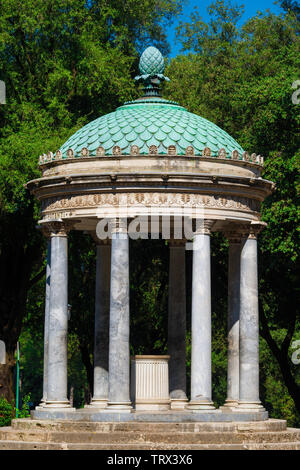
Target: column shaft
177 326
249 328
119 354
46 323
102 293
233 323
58 323
201 324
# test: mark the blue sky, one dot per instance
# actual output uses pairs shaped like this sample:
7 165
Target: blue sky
250 7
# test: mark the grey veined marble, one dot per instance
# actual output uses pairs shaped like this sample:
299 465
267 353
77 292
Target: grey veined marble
102 298
46 323
233 323
201 324
119 355
177 324
58 324
249 328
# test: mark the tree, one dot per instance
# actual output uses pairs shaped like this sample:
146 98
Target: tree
241 79
64 62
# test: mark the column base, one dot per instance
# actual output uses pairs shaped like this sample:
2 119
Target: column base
246 406
179 403
229 404
124 407
97 403
200 405
57 404
152 405
41 405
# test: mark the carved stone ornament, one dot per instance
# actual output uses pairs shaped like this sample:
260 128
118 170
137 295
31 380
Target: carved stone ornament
153 150
235 155
234 236
84 152
189 151
172 150
206 152
256 228
70 153
100 152
116 150
58 155
177 242
246 157
222 153
56 229
134 150
160 199
204 226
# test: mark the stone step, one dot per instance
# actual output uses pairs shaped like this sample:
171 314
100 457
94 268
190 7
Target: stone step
138 437
17 445
75 426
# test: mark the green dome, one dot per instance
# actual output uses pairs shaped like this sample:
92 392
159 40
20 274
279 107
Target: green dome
151 121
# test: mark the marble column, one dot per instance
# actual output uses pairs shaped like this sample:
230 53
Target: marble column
46 321
102 294
177 325
201 394
119 353
58 319
249 326
234 254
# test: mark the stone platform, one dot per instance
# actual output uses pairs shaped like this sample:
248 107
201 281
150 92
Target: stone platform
172 416
79 435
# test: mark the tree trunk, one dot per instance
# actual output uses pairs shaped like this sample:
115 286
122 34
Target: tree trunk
6 378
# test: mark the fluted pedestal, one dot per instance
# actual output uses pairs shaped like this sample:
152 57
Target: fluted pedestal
150 382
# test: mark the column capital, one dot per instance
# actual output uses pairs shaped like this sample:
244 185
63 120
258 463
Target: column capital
56 228
177 243
204 226
240 232
100 241
256 228
251 231
118 225
234 236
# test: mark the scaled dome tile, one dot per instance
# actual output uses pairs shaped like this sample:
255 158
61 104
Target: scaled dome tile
131 136
146 135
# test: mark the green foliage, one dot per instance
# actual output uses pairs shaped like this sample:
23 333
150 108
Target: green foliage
273 391
241 79
6 412
67 62
24 412
64 63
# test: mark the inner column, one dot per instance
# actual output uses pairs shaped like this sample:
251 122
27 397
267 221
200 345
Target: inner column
119 353
233 331
102 294
177 325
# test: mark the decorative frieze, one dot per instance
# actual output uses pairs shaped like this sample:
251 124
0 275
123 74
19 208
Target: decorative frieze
150 199
153 150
